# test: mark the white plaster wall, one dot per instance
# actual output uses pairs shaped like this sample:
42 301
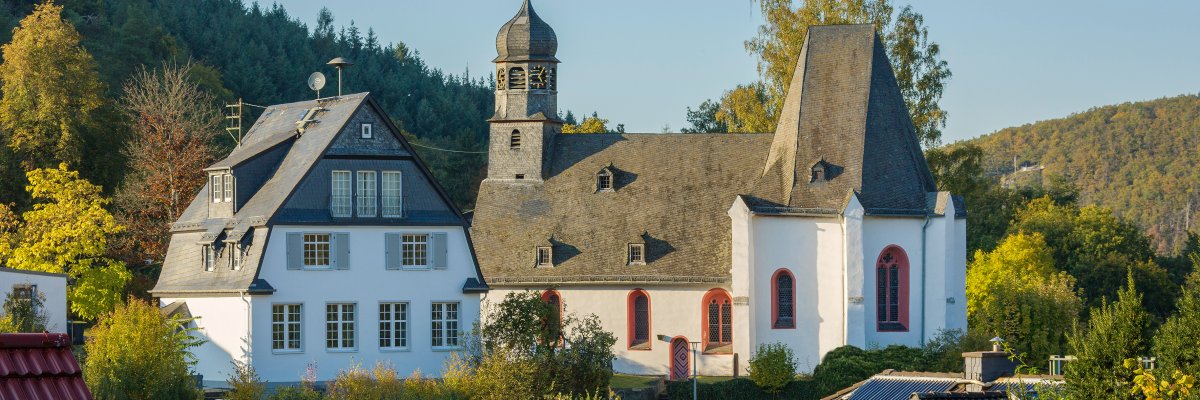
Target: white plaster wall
52 286
674 311
956 277
221 323
366 283
742 271
811 249
938 235
878 233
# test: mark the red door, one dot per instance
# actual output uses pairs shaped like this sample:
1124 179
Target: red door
679 359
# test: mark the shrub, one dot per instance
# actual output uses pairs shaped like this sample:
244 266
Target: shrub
244 384
23 315
773 367
136 353
302 392
739 389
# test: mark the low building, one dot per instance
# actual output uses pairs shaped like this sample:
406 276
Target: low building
36 366
320 243
986 375
49 288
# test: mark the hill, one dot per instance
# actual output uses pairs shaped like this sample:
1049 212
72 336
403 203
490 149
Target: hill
1139 159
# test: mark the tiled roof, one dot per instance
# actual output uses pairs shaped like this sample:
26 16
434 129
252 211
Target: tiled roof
36 366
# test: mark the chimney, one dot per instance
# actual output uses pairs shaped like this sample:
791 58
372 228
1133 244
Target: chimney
987 366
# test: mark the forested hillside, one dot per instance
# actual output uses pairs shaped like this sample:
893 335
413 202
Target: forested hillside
1139 159
263 55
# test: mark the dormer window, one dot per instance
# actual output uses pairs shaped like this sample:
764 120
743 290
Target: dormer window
637 254
367 131
514 140
819 173
228 188
604 180
216 187
235 256
545 256
210 257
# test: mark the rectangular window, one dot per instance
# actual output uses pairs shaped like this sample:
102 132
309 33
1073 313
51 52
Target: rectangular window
228 187
367 131
544 257
339 326
285 327
445 325
317 249
214 187
414 250
24 292
637 254
210 257
392 201
235 256
393 326
339 200
366 194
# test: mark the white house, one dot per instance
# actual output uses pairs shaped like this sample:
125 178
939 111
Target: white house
50 287
827 232
322 241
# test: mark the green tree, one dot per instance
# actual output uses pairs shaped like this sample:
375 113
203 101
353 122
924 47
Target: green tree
592 124
747 109
1015 292
68 231
51 90
1175 344
704 119
1116 331
773 367
136 353
23 312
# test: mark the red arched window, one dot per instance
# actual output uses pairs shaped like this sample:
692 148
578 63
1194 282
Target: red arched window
717 331
554 299
639 320
891 290
783 300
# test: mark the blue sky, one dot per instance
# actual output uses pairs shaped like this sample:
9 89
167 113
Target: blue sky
642 62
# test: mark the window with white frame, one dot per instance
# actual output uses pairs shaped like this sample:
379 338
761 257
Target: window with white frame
393 325
339 326
545 257
235 256
392 203
25 293
210 257
366 194
445 325
637 254
228 188
317 249
285 327
414 250
367 131
339 199
216 188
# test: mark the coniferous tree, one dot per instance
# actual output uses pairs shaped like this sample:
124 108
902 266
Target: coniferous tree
1116 331
1176 343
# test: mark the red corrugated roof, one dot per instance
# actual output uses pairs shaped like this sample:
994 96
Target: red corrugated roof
35 366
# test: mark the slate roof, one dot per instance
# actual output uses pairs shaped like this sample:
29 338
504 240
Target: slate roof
36 366
672 191
526 37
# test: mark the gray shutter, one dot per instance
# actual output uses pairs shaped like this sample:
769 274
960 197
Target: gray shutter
439 250
295 250
391 248
342 246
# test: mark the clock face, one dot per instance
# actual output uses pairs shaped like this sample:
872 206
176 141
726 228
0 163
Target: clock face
537 77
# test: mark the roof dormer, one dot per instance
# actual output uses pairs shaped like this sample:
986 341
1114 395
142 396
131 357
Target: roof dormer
605 179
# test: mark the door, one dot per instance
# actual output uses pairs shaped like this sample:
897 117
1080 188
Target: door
680 368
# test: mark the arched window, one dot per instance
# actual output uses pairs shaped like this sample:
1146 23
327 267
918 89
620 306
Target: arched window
718 322
783 300
891 290
514 140
516 78
639 320
552 298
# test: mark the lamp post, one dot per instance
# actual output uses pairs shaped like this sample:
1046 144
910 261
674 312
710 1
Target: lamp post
692 348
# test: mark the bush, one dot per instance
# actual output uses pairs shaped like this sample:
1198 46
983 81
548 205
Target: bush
23 315
244 384
302 392
136 353
383 383
773 367
738 389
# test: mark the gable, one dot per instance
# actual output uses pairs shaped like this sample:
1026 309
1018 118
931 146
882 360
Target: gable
382 141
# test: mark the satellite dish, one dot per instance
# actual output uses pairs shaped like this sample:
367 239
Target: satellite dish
316 81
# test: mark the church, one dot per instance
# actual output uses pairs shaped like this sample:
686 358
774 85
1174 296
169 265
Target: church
693 249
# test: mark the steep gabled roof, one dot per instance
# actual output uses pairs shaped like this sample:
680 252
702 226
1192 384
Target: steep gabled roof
845 108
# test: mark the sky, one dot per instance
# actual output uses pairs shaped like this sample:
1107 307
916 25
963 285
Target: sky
641 63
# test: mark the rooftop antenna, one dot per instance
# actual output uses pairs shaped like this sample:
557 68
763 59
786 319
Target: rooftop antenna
316 81
340 63
235 121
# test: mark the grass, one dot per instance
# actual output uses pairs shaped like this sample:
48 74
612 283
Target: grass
624 381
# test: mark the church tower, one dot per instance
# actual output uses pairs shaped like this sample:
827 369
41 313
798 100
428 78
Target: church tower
526 120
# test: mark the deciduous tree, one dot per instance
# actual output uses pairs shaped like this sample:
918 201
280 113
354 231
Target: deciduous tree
136 353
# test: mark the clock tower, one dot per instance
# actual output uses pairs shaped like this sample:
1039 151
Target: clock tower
526 121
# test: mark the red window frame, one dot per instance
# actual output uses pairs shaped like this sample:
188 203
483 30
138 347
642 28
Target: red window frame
777 319
631 323
552 297
720 301
891 290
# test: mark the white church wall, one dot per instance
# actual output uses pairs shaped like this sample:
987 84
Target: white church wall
956 278
938 239
221 322
878 233
674 311
741 271
811 249
366 283
853 267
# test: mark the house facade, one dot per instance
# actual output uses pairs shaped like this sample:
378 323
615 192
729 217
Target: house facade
827 232
49 288
319 243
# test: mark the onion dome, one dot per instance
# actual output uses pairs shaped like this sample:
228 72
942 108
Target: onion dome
526 38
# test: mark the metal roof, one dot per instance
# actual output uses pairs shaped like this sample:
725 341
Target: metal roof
36 366
900 388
